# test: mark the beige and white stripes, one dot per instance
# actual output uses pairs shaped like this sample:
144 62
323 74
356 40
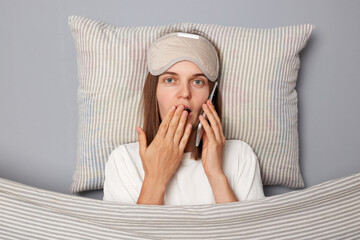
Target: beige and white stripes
258 76
330 210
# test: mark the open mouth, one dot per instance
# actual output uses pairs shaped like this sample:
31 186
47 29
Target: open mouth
189 112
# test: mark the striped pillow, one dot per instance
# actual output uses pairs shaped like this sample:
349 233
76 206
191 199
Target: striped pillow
259 69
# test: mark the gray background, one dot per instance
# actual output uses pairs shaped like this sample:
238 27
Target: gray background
38 79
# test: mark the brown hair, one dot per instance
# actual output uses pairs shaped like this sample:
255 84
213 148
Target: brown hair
151 112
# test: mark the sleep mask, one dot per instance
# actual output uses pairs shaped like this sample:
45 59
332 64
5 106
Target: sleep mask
177 46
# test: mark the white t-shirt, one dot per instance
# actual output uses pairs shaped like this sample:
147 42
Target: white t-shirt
124 175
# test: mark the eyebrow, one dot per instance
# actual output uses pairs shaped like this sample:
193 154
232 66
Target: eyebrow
194 75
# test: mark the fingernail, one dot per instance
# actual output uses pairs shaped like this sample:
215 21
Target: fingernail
205 106
172 108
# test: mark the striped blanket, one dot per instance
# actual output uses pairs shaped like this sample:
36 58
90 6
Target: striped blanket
330 210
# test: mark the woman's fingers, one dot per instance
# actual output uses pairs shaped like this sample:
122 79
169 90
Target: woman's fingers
185 137
174 123
206 126
213 110
172 127
180 128
164 125
142 141
176 129
215 128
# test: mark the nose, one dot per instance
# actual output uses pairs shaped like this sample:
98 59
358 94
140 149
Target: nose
185 91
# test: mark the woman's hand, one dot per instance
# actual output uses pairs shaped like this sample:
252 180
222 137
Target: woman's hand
212 155
161 159
213 141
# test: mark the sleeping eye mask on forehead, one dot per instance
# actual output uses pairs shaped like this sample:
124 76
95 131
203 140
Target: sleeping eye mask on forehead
178 46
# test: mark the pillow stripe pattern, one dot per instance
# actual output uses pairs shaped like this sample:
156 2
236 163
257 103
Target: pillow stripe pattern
257 81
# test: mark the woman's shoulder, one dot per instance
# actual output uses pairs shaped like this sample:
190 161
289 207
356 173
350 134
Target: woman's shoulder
127 147
237 145
127 151
131 147
238 155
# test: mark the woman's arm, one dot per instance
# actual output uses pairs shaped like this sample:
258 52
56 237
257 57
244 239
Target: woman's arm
152 192
221 188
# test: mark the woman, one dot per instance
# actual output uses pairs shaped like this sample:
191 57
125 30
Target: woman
165 166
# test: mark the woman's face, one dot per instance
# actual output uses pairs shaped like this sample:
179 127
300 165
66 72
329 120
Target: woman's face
183 83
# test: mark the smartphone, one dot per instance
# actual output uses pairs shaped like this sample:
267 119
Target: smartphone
200 129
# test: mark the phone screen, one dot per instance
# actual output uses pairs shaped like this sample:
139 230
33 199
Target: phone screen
200 129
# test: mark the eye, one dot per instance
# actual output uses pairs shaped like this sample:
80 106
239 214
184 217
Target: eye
167 79
199 82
